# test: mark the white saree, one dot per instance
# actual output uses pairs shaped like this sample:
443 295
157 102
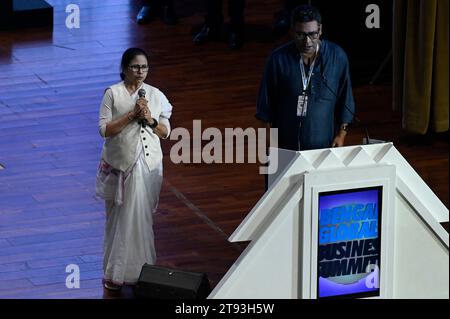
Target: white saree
129 239
131 197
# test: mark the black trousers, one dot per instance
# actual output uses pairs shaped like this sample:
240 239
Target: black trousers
214 16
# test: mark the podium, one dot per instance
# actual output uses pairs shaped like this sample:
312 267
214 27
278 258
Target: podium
350 222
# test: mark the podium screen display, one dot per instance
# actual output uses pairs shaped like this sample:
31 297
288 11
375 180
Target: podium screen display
349 243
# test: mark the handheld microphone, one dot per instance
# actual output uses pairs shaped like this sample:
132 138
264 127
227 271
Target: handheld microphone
366 132
143 122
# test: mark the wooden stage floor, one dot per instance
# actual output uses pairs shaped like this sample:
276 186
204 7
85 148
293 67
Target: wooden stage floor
51 85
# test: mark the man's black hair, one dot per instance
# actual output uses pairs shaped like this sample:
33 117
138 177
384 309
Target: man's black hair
306 13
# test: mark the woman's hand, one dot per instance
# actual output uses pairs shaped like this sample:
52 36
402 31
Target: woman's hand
140 107
145 114
142 112
116 126
148 116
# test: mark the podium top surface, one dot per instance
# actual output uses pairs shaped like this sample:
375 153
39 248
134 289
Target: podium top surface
409 183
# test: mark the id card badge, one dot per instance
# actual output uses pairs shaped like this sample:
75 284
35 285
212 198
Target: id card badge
302 105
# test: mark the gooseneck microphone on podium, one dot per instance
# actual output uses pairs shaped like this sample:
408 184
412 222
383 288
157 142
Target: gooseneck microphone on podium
143 122
364 127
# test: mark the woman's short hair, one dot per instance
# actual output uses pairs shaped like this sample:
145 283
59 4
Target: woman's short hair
305 13
128 56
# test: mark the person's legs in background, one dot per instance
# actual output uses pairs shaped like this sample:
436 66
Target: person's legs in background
213 23
283 21
147 12
237 21
168 12
213 26
152 8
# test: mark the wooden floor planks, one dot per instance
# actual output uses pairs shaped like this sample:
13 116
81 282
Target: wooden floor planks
51 85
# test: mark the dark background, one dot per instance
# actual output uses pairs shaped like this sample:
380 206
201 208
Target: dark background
344 22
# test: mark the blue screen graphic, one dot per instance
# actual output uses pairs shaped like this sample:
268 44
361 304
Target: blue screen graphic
349 243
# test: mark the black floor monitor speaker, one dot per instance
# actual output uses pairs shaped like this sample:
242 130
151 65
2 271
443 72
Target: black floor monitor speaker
158 282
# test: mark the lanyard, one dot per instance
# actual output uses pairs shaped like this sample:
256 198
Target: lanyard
306 80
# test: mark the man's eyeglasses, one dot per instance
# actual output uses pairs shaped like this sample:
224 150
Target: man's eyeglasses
137 67
312 35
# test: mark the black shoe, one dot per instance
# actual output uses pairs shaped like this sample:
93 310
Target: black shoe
282 25
168 15
145 15
235 40
206 34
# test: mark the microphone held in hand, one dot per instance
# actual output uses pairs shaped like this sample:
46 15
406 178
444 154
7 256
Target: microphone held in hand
143 122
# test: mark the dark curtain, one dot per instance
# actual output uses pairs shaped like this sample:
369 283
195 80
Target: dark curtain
421 64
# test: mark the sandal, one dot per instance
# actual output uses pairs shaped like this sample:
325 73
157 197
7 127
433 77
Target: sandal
111 286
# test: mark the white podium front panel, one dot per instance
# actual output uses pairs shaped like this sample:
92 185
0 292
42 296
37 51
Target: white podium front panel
346 267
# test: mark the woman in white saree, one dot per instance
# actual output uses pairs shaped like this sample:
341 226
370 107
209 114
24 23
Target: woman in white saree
133 117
